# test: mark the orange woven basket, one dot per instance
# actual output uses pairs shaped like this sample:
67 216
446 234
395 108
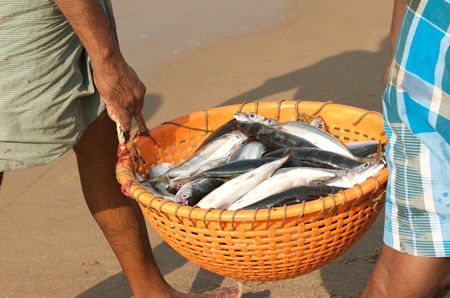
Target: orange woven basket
264 244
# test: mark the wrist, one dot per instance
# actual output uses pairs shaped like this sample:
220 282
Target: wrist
105 55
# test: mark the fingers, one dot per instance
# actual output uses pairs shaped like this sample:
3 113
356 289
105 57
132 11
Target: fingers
126 110
123 93
124 117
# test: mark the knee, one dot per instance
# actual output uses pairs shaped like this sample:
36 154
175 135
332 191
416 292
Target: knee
400 275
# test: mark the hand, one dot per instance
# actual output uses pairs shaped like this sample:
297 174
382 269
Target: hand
121 90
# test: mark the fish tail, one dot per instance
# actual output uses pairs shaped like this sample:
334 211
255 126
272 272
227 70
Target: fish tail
290 155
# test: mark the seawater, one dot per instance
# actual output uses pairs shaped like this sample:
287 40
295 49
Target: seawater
153 33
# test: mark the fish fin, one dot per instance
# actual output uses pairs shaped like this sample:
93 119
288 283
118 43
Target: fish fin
367 159
182 180
162 178
291 154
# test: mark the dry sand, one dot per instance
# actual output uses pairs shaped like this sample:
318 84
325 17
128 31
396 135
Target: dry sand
192 58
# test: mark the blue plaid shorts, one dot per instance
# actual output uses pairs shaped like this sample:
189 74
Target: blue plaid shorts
416 110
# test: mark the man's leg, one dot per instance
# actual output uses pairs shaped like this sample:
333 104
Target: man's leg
119 217
400 275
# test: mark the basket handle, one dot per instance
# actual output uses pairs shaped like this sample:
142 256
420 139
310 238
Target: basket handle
141 123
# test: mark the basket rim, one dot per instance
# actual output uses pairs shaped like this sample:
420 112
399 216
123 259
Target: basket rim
130 186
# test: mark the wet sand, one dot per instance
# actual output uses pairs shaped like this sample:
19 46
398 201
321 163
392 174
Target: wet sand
193 58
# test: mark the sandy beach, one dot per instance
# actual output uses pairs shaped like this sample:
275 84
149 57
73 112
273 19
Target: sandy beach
194 57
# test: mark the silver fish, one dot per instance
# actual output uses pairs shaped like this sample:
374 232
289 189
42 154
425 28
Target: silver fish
232 190
248 150
157 178
222 146
273 138
283 170
223 129
235 168
159 169
149 187
295 195
318 137
288 178
188 175
193 191
363 148
318 157
253 117
174 187
358 174
319 123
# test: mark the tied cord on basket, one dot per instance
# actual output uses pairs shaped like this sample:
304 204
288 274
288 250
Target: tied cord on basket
124 154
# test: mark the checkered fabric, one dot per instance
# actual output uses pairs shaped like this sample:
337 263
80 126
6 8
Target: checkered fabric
416 108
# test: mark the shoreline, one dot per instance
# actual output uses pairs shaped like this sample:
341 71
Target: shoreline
170 32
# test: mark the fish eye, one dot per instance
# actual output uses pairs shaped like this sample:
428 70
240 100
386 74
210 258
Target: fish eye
366 165
184 197
320 125
251 116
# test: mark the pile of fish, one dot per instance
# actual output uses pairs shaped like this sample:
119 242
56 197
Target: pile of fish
257 162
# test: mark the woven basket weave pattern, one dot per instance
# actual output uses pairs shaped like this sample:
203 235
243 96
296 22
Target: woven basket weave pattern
264 244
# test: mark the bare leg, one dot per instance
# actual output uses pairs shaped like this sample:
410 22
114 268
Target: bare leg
400 275
119 217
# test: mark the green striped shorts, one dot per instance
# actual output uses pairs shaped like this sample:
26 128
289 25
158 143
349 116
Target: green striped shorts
47 93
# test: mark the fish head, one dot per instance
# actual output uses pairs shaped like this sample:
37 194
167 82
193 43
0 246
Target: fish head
182 198
253 117
173 187
319 123
360 173
242 126
183 195
160 169
250 129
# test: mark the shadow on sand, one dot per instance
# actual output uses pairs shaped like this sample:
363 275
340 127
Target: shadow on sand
352 78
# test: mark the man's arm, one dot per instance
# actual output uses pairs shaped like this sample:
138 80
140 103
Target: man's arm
120 87
396 23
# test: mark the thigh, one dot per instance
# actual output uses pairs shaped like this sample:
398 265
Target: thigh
96 154
98 144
